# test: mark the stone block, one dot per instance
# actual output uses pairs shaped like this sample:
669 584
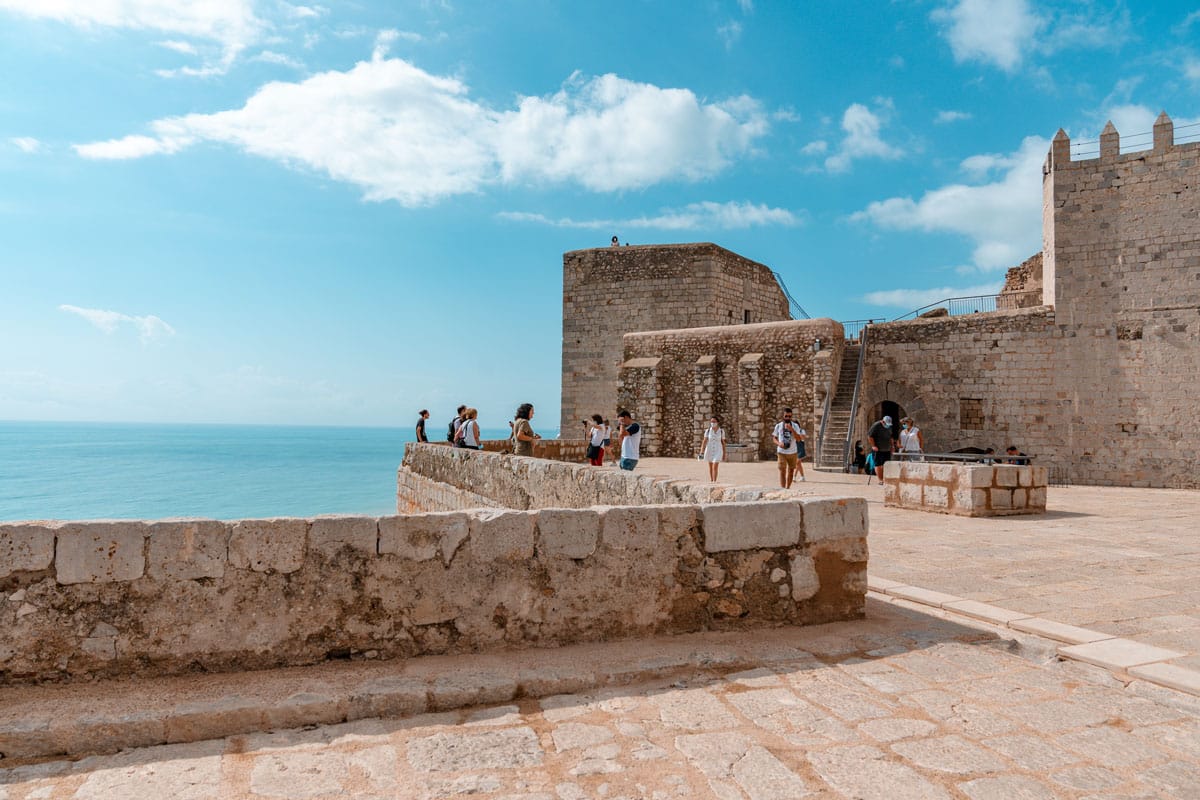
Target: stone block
943 473
1040 476
25 548
805 581
1000 499
1019 497
1007 476
423 537
185 551
975 477
1025 476
937 496
268 545
100 552
630 528
891 494
891 471
501 536
1037 497
834 518
675 521
751 526
328 535
567 533
914 471
910 494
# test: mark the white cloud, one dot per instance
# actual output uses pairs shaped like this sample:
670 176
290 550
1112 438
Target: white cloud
912 299
747 6
1002 218
944 117
305 12
1191 68
695 216
403 134
231 23
271 57
730 32
862 140
26 144
818 148
991 31
149 327
187 48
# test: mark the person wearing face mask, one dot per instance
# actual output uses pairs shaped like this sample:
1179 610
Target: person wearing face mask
712 446
911 440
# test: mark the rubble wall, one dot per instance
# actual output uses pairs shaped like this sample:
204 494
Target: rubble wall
102 599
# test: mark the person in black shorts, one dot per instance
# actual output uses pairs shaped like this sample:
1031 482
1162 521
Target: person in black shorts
881 436
422 415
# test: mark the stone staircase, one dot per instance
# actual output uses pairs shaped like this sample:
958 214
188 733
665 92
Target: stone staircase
837 426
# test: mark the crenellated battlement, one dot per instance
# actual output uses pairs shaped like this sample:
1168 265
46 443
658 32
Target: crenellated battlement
1059 157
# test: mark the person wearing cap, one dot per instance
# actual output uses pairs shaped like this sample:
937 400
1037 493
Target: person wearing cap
881 436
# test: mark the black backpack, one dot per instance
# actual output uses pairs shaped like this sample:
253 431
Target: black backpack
451 431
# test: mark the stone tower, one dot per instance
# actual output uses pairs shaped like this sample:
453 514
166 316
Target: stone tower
611 291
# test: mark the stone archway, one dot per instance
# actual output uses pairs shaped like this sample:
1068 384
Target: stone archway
886 396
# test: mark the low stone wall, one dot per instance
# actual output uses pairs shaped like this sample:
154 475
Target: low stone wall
971 490
97 599
571 450
459 477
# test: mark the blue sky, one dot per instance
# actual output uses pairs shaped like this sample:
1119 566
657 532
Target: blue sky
265 211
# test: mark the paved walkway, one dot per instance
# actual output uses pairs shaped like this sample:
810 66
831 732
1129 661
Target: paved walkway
902 705
911 703
1124 562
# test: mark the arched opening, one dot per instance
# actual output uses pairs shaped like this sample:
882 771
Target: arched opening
889 408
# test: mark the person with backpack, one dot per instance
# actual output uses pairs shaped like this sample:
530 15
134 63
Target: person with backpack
454 423
467 434
786 435
881 435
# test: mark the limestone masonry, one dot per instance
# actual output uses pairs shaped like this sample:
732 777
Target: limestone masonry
1095 379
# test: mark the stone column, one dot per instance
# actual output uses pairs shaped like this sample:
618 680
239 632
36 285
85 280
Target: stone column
704 391
750 401
1110 142
1164 133
639 389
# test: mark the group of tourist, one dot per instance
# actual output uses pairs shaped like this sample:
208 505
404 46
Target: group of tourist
463 430
910 443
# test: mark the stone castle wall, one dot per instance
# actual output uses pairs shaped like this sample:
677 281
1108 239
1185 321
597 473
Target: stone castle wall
104 599
611 291
674 380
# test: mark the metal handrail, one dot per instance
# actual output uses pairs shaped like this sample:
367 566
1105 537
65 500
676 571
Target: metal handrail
794 308
985 458
973 304
862 353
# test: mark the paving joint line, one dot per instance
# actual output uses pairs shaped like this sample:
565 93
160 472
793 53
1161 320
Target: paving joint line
1125 658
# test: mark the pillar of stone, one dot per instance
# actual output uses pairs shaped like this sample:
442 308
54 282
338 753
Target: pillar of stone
1164 133
751 402
1110 142
704 391
639 389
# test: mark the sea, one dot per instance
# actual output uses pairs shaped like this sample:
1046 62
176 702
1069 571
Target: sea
87 470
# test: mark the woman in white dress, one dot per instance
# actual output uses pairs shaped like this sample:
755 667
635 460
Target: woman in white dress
911 440
712 446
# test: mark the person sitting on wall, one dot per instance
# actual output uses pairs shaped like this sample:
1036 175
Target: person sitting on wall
1015 456
631 440
615 242
881 437
523 435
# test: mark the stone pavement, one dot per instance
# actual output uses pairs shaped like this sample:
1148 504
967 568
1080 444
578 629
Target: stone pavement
902 705
1121 562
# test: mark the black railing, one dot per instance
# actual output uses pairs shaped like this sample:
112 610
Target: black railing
851 328
979 304
794 308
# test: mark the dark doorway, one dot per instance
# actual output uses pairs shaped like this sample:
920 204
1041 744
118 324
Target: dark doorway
888 408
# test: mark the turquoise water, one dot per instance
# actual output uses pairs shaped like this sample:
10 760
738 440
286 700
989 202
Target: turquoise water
54 470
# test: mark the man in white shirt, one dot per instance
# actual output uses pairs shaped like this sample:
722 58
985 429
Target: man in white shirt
631 440
786 434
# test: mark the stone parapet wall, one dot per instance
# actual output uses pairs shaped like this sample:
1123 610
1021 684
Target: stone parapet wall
969 490
527 483
100 599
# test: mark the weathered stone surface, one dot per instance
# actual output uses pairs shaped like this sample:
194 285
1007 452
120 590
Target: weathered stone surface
25 548
187 550
501 536
422 537
834 518
630 528
268 545
747 526
567 533
805 581
506 749
866 772
329 535
100 552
